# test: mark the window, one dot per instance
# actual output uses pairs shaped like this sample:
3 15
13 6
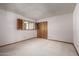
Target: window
29 25
26 25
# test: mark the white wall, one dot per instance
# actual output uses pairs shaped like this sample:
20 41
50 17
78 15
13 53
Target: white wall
8 29
60 27
76 26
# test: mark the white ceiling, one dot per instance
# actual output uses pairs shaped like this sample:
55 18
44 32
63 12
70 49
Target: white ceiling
38 10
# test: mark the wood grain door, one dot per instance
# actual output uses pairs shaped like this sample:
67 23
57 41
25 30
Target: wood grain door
42 30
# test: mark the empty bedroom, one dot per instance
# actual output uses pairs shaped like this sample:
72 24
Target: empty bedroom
39 29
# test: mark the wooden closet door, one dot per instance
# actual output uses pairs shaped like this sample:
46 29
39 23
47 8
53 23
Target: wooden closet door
42 30
39 30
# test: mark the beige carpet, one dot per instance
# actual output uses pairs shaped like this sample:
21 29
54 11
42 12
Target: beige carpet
38 47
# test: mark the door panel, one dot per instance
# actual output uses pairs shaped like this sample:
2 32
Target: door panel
42 30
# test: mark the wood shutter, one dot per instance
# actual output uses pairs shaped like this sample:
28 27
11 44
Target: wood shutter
19 24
